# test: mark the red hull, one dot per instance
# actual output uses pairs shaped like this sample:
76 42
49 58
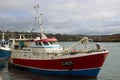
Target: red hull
74 63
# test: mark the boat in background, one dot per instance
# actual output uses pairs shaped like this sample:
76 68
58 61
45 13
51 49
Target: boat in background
5 53
45 56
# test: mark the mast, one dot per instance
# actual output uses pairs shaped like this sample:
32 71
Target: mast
3 36
39 18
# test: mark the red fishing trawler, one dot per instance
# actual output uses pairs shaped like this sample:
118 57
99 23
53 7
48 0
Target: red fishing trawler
45 56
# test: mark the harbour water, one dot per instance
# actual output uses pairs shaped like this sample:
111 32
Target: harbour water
109 71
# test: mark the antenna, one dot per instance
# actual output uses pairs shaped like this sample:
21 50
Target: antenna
39 17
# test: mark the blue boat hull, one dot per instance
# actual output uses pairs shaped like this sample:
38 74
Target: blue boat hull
4 56
5 53
86 73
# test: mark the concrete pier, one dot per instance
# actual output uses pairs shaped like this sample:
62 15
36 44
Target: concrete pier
0 78
4 75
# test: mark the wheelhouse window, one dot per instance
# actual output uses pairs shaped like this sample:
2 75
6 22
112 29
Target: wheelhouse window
4 42
38 43
45 43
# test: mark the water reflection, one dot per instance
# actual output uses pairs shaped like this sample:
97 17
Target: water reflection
4 73
3 64
14 74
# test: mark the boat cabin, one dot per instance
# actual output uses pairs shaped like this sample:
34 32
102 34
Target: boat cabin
37 45
43 42
4 44
19 42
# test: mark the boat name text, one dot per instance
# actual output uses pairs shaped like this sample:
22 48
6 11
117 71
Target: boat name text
67 63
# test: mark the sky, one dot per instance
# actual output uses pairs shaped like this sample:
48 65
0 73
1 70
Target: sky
87 17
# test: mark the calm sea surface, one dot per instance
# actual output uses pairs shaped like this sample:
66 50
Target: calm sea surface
109 71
